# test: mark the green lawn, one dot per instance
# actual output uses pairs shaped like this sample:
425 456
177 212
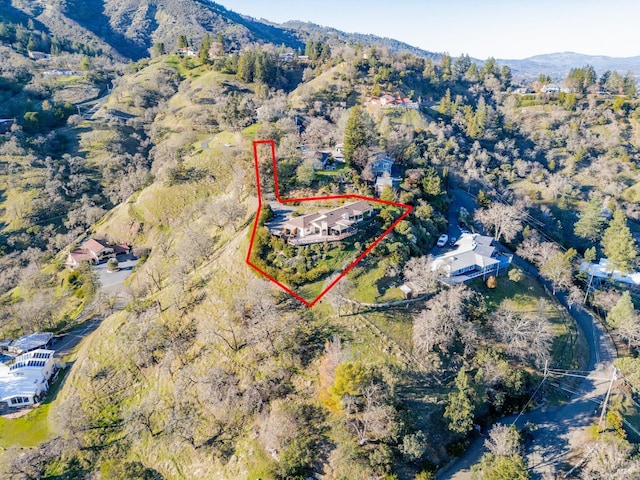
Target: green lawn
522 296
336 260
632 194
250 131
331 174
32 428
371 285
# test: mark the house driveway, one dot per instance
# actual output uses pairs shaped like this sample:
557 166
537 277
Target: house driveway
109 279
281 215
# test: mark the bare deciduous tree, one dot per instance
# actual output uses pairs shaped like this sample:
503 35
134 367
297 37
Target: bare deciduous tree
503 220
419 272
503 441
444 317
536 251
611 460
558 270
524 336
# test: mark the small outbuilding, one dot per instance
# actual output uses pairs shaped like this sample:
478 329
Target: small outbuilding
407 291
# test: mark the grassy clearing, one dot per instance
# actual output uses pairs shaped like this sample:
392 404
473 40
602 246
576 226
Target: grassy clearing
258 462
520 296
397 324
321 82
251 131
623 402
372 286
330 175
407 117
632 194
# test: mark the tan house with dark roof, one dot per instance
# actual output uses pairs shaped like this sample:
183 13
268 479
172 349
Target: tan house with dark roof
331 225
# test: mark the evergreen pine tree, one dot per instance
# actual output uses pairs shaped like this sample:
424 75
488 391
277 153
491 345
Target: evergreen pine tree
619 245
590 224
355 133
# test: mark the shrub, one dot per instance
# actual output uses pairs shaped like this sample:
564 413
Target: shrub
515 274
492 282
112 265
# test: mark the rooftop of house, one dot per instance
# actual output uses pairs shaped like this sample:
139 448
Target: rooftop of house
17 385
31 342
604 269
25 375
93 245
471 249
35 359
331 216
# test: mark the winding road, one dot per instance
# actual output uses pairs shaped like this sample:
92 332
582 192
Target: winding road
558 432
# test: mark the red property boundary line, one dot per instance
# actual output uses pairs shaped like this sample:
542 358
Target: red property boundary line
407 209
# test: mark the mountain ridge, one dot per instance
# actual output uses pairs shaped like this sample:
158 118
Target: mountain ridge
559 63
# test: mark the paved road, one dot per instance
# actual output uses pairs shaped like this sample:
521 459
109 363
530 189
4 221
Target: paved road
558 430
111 283
67 342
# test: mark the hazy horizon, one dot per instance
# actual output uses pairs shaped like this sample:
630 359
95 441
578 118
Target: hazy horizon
496 28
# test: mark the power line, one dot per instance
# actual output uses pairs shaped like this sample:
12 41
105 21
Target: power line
534 393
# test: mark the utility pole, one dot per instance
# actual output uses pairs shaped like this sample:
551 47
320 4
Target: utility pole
586 294
606 400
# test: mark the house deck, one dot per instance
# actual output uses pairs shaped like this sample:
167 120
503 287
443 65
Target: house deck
309 239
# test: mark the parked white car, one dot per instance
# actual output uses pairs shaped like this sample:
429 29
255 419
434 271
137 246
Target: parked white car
442 241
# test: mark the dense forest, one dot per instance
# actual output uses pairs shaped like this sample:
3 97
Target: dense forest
200 367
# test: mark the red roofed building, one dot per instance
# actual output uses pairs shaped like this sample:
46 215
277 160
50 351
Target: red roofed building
95 251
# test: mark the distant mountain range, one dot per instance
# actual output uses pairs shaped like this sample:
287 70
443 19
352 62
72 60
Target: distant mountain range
128 29
557 65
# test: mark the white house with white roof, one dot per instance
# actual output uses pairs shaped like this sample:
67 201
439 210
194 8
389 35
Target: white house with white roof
26 379
603 271
474 256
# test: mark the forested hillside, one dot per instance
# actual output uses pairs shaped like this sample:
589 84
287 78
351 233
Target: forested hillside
210 371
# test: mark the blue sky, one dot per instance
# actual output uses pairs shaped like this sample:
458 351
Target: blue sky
480 28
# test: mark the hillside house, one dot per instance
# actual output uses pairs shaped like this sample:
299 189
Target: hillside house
5 125
25 380
37 55
382 164
386 181
322 160
473 257
603 272
331 225
187 52
27 343
60 73
386 100
95 251
389 101
550 88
